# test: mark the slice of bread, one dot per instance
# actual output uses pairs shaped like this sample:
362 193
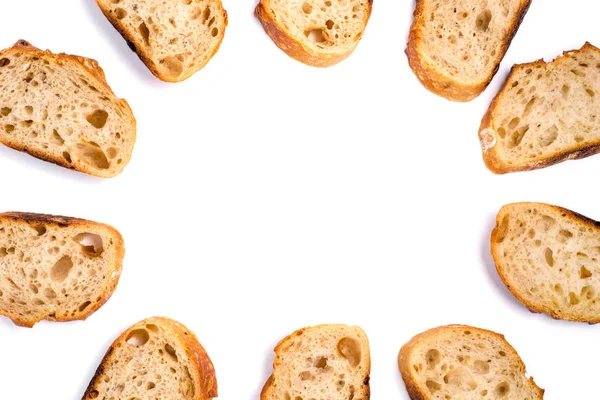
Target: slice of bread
59 108
464 363
56 268
323 362
548 257
175 39
455 47
157 358
320 33
545 114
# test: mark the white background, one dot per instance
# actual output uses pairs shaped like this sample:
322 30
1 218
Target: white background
265 195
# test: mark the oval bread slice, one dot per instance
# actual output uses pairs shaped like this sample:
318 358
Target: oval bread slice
320 33
56 268
59 108
175 39
464 363
322 362
157 358
545 113
455 47
548 257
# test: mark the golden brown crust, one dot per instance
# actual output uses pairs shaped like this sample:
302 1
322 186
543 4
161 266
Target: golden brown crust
63 222
91 68
286 342
501 268
139 49
487 129
418 392
205 378
294 48
442 84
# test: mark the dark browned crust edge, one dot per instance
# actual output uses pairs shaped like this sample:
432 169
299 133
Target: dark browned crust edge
62 221
205 378
90 67
490 156
500 267
265 392
444 85
415 391
138 48
293 47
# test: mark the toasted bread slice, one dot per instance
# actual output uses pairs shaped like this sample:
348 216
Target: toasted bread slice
545 114
157 358
316 32
323 362
464 363
548 257
59 108
56 268
175 39
455 47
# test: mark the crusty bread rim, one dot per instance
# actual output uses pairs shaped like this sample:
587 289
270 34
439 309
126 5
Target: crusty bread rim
294 48
500 267
147 59
92 68
271 380
415 391
62 221
487 135
204 375
443 84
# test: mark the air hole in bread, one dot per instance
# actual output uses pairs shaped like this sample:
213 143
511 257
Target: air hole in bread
29 110
92 155
549 136
150 385
171 352
558 288
316 35
97 119
584 273
307 8
120 13
49 293
321 363
145 32
351 350
84 306
67 156
481 367
138 337
306 376
588 292
502 229
39 229
173 66
206 15
517 137
60 270
483 20
461 378
529 106
94 393
214 32
578 72
152 328
91 243
5 111
502 389
564 235
433 385
4 62
590 92
111 152
573 299
196 13
433 358
9 128
329 24
549 256
56 138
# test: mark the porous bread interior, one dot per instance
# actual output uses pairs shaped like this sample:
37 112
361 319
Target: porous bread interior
551 259
149 363
546 109
58 109
465 39
323 25
54 272
178 36
329 362
463 364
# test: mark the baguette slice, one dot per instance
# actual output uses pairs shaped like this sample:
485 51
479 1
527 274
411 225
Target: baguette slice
175 39
157 358
455 47
59 108
546 113
548 257
464 363
323 362
316 32
56 268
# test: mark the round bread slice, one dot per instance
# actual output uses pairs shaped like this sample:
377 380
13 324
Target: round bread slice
175 39
323 362
320 33
157 358
59 108
548 257
464 363
56 268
